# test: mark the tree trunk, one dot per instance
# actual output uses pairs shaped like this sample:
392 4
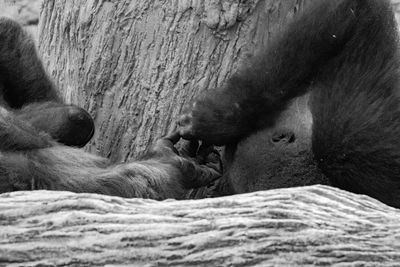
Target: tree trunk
135 64
308 226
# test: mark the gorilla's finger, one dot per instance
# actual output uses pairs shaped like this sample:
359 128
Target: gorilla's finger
165 146
197 175
185 126
213 157
174 137
189 148
204 151
193 148
214 161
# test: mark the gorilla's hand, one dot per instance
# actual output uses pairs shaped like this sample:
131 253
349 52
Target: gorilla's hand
194 165
214 119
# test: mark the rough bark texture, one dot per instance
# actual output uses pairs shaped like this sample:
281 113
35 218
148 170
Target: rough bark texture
314 226
135 64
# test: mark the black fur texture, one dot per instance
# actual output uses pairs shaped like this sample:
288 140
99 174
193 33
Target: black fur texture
345 53
27 91
33 122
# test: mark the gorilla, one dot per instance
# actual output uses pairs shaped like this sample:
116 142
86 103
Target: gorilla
320 101
38 133
26 90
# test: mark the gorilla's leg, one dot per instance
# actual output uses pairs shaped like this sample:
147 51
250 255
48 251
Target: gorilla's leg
348 49
18 135
22 72
66 124
27 89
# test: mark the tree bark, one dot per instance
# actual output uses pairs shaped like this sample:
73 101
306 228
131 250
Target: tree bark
305 226
135 64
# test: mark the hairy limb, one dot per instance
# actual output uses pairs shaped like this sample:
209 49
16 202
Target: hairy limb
200 166
17 135
256 95
162 174
22 73
26 88
41 125
197 166
67 124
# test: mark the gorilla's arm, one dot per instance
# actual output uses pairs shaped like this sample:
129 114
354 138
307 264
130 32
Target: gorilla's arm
349 51
162 174
26 89
18 135
257 93
21 72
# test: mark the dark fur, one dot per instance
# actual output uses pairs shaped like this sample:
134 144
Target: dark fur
162 174
33 119
27 91
347 51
